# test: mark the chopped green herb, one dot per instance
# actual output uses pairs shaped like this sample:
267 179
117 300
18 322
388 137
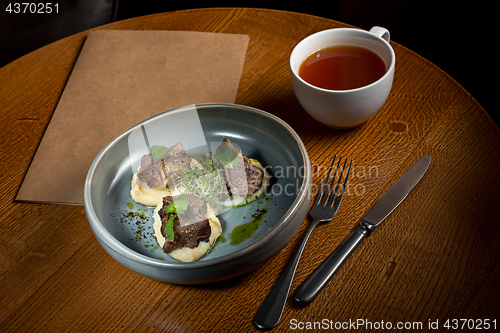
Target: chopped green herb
177 206
170 209
227 156
180 205
142 216
158 151
169 227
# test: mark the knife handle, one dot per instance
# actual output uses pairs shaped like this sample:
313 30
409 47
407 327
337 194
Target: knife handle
319 278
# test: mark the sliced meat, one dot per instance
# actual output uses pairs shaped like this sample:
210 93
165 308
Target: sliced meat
160 172
151 172
189 235
255 176
244 178
176 158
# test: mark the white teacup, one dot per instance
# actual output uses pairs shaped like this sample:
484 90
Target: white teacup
344 108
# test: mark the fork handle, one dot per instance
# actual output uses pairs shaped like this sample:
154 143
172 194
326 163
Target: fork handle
269 313
319 278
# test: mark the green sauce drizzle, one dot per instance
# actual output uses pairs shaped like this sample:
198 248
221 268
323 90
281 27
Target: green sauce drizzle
245 231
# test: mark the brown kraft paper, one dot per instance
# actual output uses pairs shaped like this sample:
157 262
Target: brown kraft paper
121 78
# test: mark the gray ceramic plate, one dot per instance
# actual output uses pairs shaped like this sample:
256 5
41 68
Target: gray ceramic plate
124 228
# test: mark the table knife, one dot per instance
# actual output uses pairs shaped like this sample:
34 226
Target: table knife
320 277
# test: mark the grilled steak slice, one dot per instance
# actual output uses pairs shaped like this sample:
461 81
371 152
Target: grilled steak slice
255 177
160 172
176 158
189 235
244 178
151 172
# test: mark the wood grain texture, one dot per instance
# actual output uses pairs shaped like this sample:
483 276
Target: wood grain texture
435 258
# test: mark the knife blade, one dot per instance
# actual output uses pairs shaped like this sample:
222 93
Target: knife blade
319 278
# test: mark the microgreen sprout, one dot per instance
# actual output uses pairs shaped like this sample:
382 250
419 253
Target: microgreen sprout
203 180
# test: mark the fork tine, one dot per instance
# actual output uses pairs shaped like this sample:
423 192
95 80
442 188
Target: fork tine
341 195
325 182
331 188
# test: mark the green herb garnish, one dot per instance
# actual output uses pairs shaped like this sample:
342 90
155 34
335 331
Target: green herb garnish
203 180
170 209
227 156
169 227
176 207
158 151
180 205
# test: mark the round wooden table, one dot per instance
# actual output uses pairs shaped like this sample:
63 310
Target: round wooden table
434 262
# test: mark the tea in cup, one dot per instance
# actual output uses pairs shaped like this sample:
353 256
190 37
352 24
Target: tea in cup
342 77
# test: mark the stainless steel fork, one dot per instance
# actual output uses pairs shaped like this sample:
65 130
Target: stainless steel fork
325 206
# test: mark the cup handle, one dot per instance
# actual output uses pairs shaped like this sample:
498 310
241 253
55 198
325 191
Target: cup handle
381 32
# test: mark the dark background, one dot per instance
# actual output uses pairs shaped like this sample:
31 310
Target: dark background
456 36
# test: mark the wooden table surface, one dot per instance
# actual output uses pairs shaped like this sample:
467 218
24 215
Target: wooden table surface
435 258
